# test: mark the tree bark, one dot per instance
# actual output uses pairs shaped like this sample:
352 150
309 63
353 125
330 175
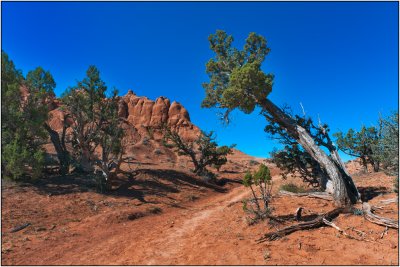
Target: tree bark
365 164
376 166
62 153
345 192
318 222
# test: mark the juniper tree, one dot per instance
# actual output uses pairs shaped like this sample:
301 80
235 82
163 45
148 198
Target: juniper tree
96 124
360 144
388 146
295 160
23 116
41 82
82 104
203 152
236 81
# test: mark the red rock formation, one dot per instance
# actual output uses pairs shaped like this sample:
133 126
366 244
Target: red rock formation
142 114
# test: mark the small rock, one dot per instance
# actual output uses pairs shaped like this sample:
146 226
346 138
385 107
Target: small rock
39 229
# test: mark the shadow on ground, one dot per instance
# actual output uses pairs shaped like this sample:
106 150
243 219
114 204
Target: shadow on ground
146 182
370 192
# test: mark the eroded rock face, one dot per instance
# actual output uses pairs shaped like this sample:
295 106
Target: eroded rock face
145 116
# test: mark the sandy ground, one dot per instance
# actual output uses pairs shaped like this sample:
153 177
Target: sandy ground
168 216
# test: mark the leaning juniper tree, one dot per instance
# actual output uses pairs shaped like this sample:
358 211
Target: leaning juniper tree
293 159
238 82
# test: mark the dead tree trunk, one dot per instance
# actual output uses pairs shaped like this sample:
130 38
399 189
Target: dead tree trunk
345 192
59 145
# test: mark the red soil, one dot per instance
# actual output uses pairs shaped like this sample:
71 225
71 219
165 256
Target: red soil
198 223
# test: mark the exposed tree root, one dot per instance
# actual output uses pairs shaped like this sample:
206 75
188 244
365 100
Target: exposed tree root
331 224
321 195
388 201
318 222
367 211
326 219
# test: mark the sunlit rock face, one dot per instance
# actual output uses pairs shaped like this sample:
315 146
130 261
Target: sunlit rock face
145 117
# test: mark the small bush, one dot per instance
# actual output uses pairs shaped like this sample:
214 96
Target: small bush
253 162
208 177
150 132
135 215
258 205
146 141
154 210
292 188
157 151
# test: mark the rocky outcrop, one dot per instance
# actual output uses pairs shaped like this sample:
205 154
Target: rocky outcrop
145 116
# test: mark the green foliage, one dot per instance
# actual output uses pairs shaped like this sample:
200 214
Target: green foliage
262 175
388 147
96 121
23 116
247 179
293 159
18 160
297 162
360 144
236 78
204 151
41 81
290 187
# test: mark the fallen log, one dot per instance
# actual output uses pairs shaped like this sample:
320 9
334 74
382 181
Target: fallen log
321 195
318 222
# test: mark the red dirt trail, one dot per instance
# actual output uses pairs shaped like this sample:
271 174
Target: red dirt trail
198 225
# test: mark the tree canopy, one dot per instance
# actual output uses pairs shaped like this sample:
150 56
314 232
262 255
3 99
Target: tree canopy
236 78
24 111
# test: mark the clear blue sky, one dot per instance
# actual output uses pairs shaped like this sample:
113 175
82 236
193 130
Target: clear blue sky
340 60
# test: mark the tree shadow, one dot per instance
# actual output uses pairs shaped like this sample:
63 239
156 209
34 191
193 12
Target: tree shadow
224 181
62 185
370 192
179 179
146 182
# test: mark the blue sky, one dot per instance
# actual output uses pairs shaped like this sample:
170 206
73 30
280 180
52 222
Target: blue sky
339 59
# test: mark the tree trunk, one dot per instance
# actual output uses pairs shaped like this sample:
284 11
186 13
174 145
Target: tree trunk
376 166
62 153
345 192
364 164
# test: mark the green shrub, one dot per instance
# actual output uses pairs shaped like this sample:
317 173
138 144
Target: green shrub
290 187
258 205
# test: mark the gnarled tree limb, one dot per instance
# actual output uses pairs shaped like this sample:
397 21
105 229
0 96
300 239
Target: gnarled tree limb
367 210
322 195
318 222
